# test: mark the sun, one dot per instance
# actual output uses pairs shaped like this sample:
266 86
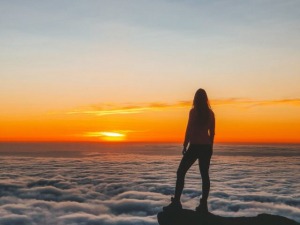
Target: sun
112 136
107 135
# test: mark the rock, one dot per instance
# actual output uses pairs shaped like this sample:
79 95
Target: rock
189 217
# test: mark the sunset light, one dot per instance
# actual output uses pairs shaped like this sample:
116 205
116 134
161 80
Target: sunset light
107 135
130 112
102 68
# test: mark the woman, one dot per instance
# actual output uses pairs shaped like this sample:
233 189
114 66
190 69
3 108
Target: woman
199 136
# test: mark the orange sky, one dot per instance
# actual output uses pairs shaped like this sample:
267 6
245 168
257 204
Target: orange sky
237 120
102 71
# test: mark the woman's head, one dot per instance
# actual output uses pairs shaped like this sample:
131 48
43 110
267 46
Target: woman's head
201 104
201 99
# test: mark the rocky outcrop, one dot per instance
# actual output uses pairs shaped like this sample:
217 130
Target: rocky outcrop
189 217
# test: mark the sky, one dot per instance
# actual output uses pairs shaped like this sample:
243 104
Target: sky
128 70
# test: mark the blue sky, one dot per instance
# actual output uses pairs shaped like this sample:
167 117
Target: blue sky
78 52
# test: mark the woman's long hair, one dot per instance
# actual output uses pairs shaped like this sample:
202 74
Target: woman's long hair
202 106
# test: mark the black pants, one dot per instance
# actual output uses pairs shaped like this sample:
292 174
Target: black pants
195 151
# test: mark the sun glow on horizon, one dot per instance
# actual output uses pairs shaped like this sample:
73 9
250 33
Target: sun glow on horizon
107 135
237 120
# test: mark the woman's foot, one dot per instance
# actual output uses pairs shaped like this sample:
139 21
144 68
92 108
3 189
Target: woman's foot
202 208
173 206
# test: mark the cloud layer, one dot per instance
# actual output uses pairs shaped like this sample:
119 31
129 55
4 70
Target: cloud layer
122 185
111 109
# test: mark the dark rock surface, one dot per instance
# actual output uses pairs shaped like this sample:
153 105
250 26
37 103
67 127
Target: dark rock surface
189 217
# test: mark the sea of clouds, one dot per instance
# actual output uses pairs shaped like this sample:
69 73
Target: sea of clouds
128 184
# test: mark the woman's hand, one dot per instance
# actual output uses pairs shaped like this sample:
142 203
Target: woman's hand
184 151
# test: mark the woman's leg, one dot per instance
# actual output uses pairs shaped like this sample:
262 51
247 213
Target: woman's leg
204 162
186 162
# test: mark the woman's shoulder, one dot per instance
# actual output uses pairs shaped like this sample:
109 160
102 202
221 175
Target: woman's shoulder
192 114
212 114
192 111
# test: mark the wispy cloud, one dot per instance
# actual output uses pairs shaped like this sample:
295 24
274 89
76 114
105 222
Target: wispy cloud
114 109
105 109
253 102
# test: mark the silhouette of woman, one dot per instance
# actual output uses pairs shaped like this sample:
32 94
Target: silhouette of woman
199 139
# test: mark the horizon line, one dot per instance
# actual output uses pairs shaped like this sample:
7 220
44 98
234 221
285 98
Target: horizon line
141 142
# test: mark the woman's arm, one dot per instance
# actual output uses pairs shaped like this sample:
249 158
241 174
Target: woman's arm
212 128
187 132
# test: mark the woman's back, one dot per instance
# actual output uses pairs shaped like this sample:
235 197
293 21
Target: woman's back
199 131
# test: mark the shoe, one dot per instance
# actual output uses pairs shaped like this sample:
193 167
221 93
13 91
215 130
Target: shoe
173 206
202 208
